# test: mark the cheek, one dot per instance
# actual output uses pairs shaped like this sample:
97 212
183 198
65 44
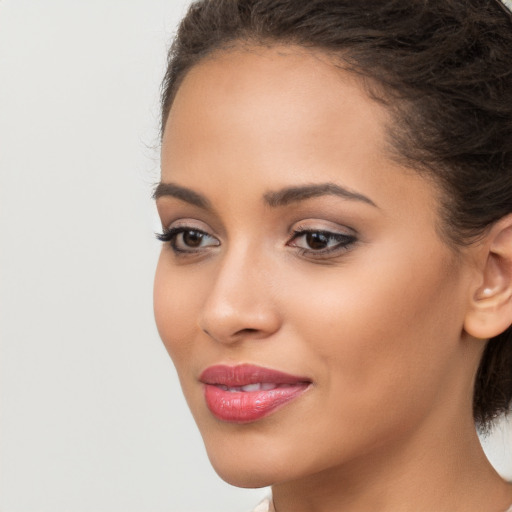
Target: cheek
176 305
383 330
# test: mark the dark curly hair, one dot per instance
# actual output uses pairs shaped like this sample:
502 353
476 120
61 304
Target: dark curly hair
443 68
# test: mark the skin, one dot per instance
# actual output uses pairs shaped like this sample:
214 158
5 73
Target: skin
377 326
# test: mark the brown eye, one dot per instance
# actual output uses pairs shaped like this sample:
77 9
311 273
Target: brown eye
317 241
186 240
321 242
192 238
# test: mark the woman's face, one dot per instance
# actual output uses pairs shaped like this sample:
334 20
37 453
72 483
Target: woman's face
297 245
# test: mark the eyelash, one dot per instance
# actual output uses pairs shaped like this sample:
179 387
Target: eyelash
170 235
344 241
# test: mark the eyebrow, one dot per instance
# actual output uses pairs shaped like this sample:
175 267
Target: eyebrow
183 193
296 194
274 199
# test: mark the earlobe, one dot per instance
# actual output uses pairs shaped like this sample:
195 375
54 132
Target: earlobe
490 311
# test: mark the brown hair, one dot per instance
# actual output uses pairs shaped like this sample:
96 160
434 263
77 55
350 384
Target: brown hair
444 69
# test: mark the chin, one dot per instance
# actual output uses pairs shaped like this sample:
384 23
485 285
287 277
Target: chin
244 479
243 469
252 465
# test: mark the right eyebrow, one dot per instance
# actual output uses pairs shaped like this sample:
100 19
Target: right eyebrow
289 195
182 193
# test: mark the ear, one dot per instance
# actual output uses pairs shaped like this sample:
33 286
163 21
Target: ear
490 311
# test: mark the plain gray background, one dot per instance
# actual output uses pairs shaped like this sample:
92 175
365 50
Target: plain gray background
92 418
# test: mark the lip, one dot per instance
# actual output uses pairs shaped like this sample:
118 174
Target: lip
227 402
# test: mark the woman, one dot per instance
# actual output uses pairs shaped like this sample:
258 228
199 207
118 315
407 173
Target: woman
335 284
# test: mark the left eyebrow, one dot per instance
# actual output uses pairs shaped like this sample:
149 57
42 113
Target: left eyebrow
289 195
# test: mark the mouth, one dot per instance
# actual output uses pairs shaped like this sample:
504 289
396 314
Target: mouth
247 393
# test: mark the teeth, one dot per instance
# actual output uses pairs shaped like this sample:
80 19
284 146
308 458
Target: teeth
251 387
258 386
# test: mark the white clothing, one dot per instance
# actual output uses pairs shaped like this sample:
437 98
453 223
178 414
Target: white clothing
264 506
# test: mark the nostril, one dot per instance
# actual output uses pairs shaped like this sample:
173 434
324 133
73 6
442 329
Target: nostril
246 331
237 333
236 336
233 321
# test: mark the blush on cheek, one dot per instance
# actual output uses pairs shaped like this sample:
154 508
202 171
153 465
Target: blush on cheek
171 313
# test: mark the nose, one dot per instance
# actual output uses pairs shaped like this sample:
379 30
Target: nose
241 302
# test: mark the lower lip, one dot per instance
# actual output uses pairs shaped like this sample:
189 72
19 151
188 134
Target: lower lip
244 407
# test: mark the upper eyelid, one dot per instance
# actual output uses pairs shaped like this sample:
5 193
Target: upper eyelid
332 231
182 229
189 217
193 224
303 226
339 229
332 234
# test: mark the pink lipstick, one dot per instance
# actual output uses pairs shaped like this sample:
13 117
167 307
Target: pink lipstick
245 393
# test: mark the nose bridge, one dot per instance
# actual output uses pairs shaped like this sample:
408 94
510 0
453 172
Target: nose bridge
240 301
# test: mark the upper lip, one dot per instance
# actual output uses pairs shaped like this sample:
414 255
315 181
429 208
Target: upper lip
245 374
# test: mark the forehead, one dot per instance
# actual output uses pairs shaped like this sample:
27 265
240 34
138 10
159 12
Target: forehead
283 95
251 120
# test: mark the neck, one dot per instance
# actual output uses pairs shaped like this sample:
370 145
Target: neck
447 472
